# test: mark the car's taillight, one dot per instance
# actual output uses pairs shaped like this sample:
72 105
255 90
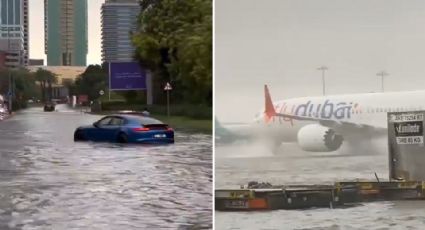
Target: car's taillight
141 129
170 129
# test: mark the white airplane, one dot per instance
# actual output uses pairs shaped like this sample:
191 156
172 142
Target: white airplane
323 124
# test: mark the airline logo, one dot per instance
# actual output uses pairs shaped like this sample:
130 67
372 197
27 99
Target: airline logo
326 110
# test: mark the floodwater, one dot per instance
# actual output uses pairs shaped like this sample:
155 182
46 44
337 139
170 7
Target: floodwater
238 164
49 182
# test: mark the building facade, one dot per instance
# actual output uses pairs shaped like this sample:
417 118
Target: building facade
119 19
12 32
26 32
66 34
36 62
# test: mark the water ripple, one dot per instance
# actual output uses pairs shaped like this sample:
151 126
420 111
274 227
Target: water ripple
49 182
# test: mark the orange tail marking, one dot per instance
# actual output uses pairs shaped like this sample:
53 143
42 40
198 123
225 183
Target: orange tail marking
269 107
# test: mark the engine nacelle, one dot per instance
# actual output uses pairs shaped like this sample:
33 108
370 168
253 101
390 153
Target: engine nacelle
317 138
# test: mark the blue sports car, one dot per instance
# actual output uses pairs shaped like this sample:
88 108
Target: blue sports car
126 129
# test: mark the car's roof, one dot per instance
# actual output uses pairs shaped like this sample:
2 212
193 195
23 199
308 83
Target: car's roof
139 118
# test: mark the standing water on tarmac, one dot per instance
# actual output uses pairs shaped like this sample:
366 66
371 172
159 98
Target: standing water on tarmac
49 182
238 164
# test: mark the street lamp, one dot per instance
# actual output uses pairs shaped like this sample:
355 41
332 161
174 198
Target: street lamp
382 74
323 69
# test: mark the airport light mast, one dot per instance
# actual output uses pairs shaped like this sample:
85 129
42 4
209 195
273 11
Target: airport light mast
382 74
323 69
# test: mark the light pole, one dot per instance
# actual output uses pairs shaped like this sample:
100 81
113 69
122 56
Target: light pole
10 93
323 69
382 74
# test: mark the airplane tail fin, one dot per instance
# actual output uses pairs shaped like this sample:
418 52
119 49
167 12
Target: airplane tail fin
269 107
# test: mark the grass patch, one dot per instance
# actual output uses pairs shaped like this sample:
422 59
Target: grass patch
186 123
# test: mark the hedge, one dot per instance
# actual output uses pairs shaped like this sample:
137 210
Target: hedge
193 111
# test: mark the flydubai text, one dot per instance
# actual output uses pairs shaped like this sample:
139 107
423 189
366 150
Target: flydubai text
325 110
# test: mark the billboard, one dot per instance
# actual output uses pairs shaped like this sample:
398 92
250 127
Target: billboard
406 145
126 76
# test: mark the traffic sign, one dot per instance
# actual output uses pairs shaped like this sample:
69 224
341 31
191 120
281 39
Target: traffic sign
168 87
101 92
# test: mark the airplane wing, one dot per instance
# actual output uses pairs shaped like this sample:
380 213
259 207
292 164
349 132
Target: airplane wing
339 126
231 133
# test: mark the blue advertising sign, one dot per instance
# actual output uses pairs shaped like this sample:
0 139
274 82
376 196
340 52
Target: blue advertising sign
126 76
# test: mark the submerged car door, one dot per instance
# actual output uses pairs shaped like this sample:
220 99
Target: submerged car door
98 132
114 128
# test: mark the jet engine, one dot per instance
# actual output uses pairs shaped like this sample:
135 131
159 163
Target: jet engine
317 138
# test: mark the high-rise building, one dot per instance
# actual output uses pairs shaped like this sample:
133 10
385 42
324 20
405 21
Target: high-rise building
26 32
119 18
65 25
12 32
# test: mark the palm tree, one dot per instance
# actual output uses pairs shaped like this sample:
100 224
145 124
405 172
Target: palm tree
45 79
51 79
40 78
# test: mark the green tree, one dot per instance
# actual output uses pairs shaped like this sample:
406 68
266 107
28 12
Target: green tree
45 79
23 85
94 79
174 41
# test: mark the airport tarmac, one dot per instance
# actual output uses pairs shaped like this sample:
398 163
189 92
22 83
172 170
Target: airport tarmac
238 164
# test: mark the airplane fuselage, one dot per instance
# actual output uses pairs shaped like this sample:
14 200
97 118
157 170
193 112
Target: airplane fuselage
363 109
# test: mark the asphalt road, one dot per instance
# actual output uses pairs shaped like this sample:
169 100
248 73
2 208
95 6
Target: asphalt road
49 182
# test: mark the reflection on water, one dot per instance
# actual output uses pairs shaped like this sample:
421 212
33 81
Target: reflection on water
49 182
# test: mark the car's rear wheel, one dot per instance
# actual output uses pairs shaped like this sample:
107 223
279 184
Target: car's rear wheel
78 136
122 138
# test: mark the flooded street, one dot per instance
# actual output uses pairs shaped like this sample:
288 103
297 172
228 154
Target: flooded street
49 182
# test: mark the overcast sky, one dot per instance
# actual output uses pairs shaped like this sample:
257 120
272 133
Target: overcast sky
283 42
37 30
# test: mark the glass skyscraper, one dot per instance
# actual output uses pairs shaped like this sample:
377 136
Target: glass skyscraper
119 17
13 33
65 25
